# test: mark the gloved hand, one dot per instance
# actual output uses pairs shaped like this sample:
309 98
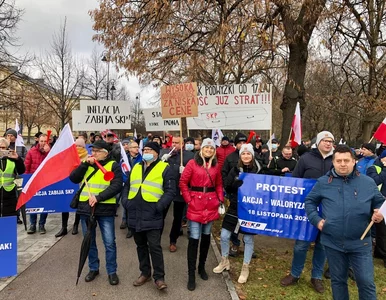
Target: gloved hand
165 157
182 169
237 183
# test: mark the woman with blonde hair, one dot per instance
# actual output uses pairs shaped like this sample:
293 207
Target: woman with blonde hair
201 188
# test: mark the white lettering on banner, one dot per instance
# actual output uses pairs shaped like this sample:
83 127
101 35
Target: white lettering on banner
6 246
274 215
280 188
287 204
54 192
252 200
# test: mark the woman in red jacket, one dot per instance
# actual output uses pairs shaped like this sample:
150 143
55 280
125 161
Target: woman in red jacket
201 187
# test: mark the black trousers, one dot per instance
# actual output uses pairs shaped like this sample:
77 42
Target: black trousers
380 239
149 244
178 212
65 217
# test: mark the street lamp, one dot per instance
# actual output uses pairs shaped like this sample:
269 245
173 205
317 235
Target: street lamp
106 58
112 89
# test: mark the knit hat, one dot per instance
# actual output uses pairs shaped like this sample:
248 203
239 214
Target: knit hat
383 154
247 148
125 141
11 131
208 142
38 134
153 145
101 144
225 138
80 143
189 139
322 135
369 146
240 137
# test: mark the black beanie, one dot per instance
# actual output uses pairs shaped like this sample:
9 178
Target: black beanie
369 146
240 137
189 139
153 145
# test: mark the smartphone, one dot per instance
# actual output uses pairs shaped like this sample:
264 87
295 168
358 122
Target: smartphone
5 152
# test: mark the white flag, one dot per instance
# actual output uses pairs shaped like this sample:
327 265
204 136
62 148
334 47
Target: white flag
135 133
382 210
217 136
19 140
140 146
269 142
124 160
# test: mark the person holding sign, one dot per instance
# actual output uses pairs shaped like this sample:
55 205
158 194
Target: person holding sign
246 164
349 201
11 164
201 188
313 165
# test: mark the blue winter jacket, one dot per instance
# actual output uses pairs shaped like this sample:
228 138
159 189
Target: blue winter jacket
364 163
347 206
378 178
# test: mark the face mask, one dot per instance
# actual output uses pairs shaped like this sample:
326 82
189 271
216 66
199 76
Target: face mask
274 146
189 147
148 156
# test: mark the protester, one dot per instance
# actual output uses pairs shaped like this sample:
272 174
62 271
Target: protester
280 165
11 165
197 144
157 139
378 173
34 158
149 190
368 158
115 152
335 192
103 204
174 161
36 138
11 135
313 164
201 188
223 151
246 164
275 148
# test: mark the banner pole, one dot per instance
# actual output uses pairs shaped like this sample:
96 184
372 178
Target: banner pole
181 141
367 230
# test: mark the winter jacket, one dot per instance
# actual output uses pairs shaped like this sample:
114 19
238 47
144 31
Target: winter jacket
312 165
364 163
111 191
202 207
20 150
174 162
222 152
33 159
230 162
347 206
279 164
143 215
9 199
115 152
378 178
231 186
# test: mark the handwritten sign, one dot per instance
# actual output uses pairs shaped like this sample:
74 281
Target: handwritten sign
154 121
179 100
235 106
102 114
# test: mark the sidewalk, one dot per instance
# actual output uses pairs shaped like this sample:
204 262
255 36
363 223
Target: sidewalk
53 275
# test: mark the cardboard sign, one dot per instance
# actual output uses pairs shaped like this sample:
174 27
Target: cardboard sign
235 106
179 100
101 114
154 121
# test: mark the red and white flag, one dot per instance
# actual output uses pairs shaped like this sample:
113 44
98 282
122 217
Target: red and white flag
125 166
58 164
380 134
296 135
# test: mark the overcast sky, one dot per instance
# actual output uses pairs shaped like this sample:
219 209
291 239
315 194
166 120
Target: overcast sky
42 18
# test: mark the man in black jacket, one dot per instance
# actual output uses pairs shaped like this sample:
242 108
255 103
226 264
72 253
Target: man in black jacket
283 164
149 190
103 202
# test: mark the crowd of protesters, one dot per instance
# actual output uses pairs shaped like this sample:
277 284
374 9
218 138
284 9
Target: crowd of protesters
194 175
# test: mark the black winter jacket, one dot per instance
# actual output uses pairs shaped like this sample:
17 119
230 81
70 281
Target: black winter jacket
230 162
312 165
114 188
143 215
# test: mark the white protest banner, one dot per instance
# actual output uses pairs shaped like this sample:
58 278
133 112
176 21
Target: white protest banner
235 106
154 121
77 122
102 114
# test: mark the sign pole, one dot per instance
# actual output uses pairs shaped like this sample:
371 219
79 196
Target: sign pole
181 142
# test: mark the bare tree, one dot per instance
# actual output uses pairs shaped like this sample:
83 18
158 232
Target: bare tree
95 78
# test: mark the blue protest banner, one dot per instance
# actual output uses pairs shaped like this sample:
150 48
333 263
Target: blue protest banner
8 247
54 198
274 205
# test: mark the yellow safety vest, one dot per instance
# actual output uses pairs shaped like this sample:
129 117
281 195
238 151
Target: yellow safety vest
379 170
151 187
97 184
8 176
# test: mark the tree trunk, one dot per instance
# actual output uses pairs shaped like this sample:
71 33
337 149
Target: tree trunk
29 129
367 130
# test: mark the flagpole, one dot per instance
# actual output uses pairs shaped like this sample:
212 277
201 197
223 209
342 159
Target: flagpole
367 230
181 141
371 139
289 138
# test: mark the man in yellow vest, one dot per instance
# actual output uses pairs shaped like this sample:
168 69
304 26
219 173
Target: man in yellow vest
149 189
103 198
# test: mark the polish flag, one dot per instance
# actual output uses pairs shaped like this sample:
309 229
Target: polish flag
58 164
19 139
380 134
125 166
296 134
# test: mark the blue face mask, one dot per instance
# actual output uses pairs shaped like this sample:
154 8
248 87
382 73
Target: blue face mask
274 146
189 147
148 156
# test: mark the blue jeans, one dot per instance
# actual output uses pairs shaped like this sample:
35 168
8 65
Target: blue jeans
107 227
197 228
248 248
34 217
300 255
362 264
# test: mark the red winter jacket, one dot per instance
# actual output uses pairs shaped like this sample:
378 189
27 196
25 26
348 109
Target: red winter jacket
202 207
33 159
222 152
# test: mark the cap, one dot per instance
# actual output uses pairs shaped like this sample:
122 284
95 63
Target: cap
240 137
275 141
153 145
101 144
225 138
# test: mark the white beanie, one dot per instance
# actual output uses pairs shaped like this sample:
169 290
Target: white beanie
248 148
208 142
322 135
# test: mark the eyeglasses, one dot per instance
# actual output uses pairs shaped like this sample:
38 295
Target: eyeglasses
328 141
135 147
